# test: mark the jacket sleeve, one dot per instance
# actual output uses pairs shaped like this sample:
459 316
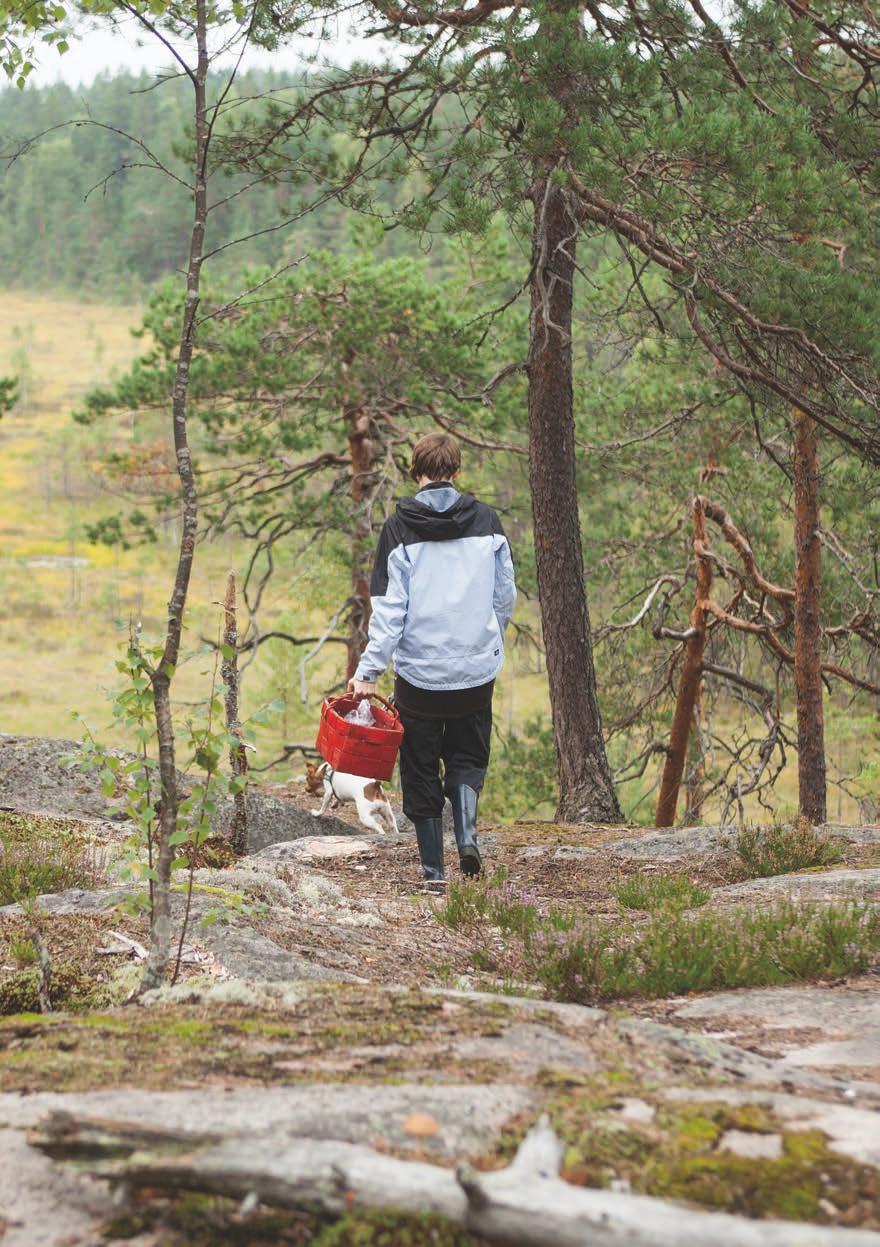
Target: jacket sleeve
504 596
389 601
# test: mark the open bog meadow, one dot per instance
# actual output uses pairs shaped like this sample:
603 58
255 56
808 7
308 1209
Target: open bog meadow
67 594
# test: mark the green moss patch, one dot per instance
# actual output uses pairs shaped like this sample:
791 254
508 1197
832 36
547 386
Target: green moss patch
194 1220
808 1182
20 991
679 1156
394 1229
393 1035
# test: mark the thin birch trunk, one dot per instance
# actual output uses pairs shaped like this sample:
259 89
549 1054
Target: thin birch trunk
160 941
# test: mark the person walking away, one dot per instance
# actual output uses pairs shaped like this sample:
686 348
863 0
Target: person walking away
442 595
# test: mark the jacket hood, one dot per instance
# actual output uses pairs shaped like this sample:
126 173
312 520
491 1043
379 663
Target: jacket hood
430 524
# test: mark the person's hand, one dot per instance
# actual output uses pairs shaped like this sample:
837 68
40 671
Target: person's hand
361 688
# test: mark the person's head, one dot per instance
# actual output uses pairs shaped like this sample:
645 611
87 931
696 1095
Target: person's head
435 457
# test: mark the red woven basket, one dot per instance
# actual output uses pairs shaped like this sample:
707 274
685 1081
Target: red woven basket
354 748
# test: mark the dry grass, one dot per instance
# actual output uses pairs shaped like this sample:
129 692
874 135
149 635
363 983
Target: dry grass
69 596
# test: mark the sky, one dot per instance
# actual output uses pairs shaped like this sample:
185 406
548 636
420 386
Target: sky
129 48
98 51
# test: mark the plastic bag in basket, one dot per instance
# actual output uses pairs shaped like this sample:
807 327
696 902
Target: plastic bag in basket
362 714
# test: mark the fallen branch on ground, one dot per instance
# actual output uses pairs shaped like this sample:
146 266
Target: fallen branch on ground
526 1204
127 946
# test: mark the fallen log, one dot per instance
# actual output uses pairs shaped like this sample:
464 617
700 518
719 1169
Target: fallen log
65 1137
526 1204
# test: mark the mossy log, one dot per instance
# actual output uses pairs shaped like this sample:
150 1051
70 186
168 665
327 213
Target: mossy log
526 1204
65 1137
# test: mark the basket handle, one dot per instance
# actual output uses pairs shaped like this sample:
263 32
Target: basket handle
392 709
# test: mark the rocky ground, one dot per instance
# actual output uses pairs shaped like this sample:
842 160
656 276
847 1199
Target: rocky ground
322 997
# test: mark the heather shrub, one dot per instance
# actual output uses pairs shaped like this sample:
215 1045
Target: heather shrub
778 849
652 892
37 856
500 903
674 954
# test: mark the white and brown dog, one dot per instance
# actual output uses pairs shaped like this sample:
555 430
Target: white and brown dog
372 807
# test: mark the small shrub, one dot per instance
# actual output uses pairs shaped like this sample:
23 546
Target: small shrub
559 919
577 966
674 954
466 905
650 892
483 959
22 951
502 904
777 850
35 860
512 909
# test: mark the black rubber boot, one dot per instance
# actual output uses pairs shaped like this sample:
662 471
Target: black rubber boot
464 815
429 835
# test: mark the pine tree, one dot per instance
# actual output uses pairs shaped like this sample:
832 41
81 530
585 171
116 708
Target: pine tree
363 355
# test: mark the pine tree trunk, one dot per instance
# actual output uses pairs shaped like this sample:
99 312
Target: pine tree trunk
586 789
808 622
689 685
361 447
695 776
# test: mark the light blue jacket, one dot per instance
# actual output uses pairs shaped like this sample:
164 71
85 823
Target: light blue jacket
442 592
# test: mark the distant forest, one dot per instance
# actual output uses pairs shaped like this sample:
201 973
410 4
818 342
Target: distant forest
79 212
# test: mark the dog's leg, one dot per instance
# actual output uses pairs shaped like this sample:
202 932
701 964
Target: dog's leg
386 814
363 809
328 796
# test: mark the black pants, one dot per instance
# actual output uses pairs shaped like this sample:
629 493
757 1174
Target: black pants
462 744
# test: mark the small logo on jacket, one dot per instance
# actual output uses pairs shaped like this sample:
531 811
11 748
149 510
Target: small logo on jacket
497 652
